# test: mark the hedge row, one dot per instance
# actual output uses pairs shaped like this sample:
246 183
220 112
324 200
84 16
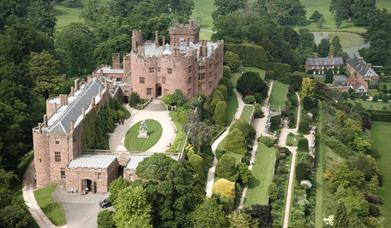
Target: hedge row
377 115
250 54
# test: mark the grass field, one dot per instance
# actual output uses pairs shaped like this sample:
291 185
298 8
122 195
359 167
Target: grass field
52 210
247 112
278 95
132 143
381 137
263 171
202 13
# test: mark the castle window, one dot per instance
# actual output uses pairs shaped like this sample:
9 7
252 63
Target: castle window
99 176
57 156
149 91
57 140
189 92
158 69
118 79
142 80
189 80
62 173
169 70
189 69
164 80
210 84
151 70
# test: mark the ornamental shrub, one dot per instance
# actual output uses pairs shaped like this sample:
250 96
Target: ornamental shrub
224 188
303 172
258 113
224 91
235 142
134 99
232 60
249 99
197 162
226 168
267 141
227 72
105 219
219 114
250 83
250 54
304 125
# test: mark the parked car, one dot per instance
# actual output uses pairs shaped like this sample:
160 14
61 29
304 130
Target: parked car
105 203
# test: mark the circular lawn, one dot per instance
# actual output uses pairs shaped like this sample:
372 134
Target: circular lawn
132 143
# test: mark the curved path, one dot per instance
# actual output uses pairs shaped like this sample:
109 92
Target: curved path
215 144
117 138
282 142
29 199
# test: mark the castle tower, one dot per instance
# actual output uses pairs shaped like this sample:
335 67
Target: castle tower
137 40
41 154
185 33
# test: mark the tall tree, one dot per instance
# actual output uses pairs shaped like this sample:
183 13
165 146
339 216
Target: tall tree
290 12
225 7
41 15
363 11
76 43
209 214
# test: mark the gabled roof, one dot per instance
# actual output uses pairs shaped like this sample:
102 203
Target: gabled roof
92 161
60 121
324 61
361 67
356 81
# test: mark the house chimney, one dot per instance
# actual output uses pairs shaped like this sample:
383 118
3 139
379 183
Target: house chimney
157 38
77 84
163 40
63 99
72 126
72 91
93 102
115 61
45 120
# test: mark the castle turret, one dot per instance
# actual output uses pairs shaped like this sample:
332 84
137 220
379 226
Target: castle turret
137 40
116 64
188 32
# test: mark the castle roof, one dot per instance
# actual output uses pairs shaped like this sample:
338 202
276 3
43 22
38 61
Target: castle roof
324 61
60 121
151 50
92 161
361 67
109 70
134 161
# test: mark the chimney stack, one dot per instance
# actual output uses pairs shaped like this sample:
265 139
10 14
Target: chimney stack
45 120
77 84
157 38
163 40
72 91
93 102
115 61
63 99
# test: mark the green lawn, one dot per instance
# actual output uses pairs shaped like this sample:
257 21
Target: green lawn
379 105
381 137
263 171
132 143
321 151
278 95
246 113
202 13
52 210
232 106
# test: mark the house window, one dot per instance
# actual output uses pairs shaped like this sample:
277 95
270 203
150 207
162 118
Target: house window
142 80
62 173
57 156
151 70
57 140
164 80
169 70
149 91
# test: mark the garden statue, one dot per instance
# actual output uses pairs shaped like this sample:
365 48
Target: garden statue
143 131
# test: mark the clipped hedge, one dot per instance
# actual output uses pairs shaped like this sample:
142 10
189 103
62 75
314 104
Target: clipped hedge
250 54
302 145
224 188
377 115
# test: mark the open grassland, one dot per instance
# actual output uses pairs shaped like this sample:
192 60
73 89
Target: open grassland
278 95
132 143
66 15
52 210
263 170
202 13
381 137
247 112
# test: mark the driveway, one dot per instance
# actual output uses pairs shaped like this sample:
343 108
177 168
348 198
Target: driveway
117 138
80 210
